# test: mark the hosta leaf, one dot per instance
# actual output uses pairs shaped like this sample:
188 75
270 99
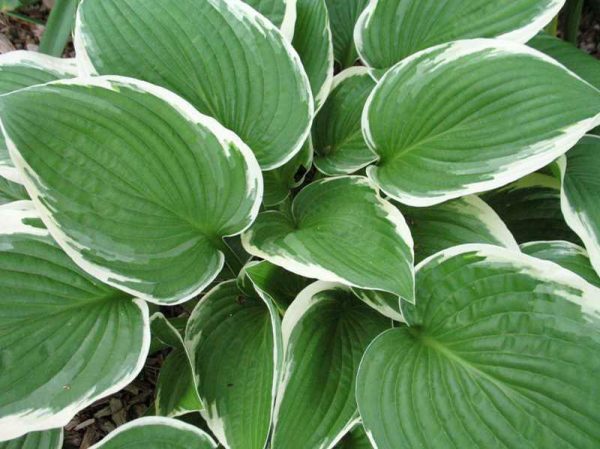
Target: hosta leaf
312 40
343 15
580 194
471 116
326 331
235 343
419 25
357 439
280 285
221 55
580 62
280 181
156 433
460 221
11 191
339 230
502 350
176 390
48 439
281 12
19 69
385 303
337 136
530 207
566 254
143 199
65 339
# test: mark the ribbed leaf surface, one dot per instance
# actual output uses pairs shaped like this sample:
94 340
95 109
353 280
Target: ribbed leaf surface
220 55
65 339
137 186
326 331
48 439
502 351
471 116
339 230
343 15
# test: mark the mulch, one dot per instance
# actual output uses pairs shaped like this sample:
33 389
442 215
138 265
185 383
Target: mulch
135 400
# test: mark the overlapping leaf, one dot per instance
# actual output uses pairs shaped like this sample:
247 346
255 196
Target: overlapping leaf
234 340
530 207
343 15
471 116
281 12
312 40
221 55
65 339
339 230
456 222
502 350
156 433
337 135
390 30
134 184
356 439
326 331
566 254
48 439
580 194
19 69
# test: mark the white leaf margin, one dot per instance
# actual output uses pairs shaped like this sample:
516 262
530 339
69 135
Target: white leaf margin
34 185
313 271
518 35
156 421
12 216
579 221
66 68
305 300
239 9
505 174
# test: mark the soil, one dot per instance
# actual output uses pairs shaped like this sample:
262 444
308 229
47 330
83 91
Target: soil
23 32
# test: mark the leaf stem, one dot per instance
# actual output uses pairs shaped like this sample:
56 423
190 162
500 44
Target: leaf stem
573 12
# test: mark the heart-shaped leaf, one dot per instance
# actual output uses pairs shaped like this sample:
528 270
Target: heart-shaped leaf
133 183
312 40
222 56
90 340
156 433
416 26
48 439
343 15
326 331
530 207
502 350
457 222
235 343
176 389
471 116
19 69
580 62
281 12
340 148
339 230
566 254
580 194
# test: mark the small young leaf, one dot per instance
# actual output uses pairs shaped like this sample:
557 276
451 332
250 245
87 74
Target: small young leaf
340 148
326 331
502 350
390 30
566 254
580 194
339 230
471 116
530 207
343 15
235 343
134 184
65 339
156 433
222 56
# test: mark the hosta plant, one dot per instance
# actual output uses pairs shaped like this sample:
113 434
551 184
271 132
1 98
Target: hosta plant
343 223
